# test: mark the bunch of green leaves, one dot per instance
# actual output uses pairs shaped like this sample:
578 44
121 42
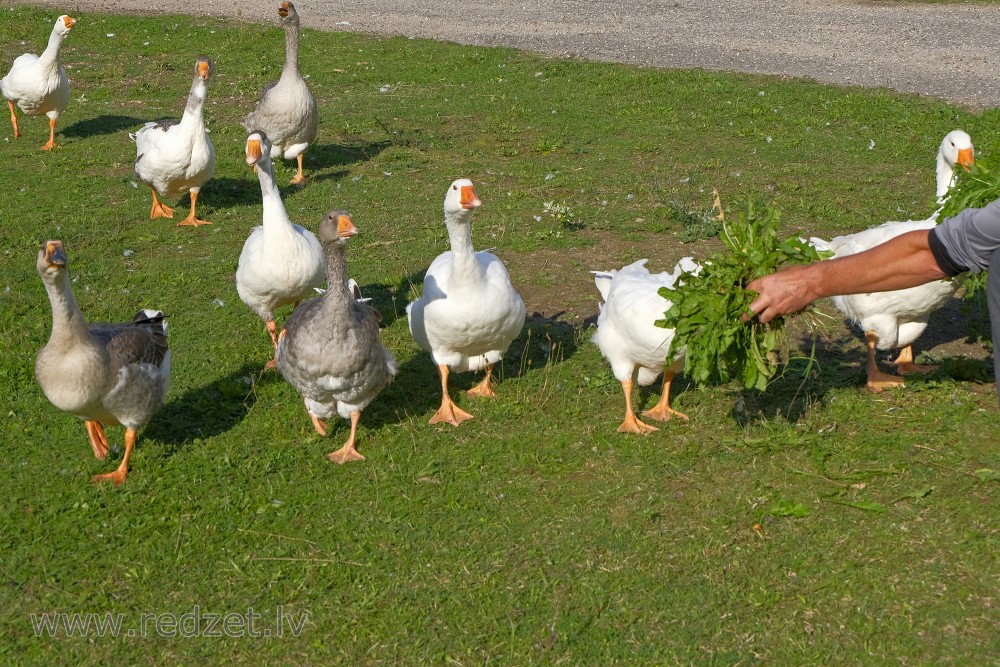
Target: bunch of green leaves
707 309
974 188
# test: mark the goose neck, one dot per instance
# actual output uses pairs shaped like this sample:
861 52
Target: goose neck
460 236
193 112
274 215
51 52
291 67
945 177
68 323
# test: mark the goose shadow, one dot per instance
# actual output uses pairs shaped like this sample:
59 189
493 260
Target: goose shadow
105 124
337 156
205 411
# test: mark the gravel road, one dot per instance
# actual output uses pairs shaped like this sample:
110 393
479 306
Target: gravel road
946 51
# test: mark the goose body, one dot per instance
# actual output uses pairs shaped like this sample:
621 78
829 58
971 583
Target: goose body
469 312
894 320
637 349
173 157
286 110
102 373
330 350
38 84
282 263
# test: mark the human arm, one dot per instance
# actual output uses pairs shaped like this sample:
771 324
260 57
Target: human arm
903 261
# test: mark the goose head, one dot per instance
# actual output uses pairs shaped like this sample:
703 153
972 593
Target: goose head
289 16
258 146
461 197
957 149
337 226
204 68
52 261
64 24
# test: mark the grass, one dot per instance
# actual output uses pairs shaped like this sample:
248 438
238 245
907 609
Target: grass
814 523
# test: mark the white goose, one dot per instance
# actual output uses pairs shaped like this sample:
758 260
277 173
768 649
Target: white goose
38 84
102 373
629 339
177 157
469 313
286 110
281 263
894 320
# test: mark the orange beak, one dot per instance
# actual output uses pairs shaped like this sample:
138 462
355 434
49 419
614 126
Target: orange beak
965 157
283 10
203 70
55 255
345 227
69 22
254 151
469 198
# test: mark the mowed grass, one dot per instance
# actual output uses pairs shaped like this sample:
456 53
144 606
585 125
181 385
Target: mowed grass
815 523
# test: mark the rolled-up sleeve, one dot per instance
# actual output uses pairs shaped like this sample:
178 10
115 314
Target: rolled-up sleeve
967 241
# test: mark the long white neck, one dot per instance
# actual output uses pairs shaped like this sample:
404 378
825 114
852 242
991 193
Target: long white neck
193 112
51 52
945 177
291 67
68 324
460 235
275 217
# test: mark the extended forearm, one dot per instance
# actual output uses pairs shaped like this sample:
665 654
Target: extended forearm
901 262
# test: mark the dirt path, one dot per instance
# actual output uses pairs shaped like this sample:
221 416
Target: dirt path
947 51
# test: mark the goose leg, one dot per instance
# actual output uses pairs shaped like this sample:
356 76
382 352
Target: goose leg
318 423
272 328
877 380
192 220
662 410
52 136
348 452
905 366
98 441
483 389
632 424
300 178
13 119
448 412
118 476
160 210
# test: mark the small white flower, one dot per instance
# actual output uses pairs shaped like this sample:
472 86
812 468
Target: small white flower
871 144
219 302
128 253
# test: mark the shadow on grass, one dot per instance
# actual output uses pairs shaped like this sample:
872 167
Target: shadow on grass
840 362
205 411
106 124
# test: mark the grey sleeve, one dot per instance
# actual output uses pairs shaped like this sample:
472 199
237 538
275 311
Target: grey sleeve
970 238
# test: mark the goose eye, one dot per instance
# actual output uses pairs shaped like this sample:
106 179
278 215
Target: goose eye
454 187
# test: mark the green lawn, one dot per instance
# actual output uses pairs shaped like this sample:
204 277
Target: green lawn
813 524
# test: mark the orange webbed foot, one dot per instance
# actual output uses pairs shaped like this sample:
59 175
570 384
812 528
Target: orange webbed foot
345 454
879 381
451 414
632 424
663 413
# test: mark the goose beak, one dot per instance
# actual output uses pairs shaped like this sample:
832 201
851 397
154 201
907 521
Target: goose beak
69 22
254 151
283 10
203 70
345 227
55 255
965 157
469 199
